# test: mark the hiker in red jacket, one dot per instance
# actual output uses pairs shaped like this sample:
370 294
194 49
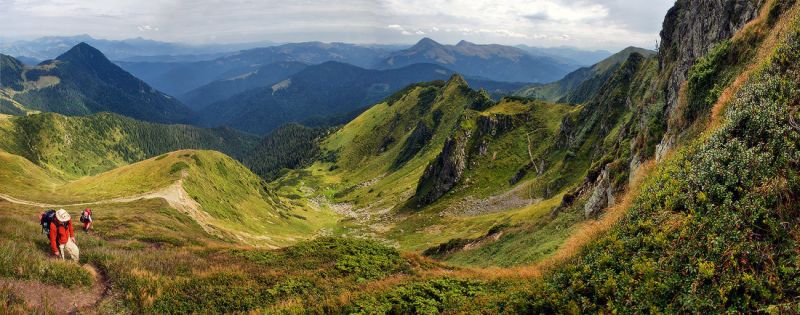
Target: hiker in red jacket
62 236
86 219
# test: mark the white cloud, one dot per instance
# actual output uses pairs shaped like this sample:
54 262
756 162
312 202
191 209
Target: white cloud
147 28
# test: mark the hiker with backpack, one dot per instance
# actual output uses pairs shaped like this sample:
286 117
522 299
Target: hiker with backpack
57 225
86 219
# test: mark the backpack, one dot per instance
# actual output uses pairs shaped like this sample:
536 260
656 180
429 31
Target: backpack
86 216
46 218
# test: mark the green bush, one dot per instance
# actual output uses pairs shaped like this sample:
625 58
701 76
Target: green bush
714 230
177 167
705 81
426 297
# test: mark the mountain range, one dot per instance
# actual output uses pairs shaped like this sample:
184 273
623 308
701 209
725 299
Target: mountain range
660 181
324 94
49 47
568 55
180 78
493 62
82 81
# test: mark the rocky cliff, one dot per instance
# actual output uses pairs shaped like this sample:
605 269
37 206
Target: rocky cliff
690 30
445 171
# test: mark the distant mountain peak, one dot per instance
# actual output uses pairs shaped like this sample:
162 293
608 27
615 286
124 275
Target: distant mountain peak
457 80
465 43
82 51
426 42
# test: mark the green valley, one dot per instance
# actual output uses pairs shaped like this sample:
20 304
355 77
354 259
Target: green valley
659 181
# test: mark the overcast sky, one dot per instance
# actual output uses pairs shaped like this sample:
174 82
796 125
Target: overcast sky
606 24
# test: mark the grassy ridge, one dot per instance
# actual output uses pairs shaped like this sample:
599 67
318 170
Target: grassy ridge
360 170
72 147
236 201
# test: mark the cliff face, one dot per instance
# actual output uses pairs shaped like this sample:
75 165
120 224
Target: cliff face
690 30
459 153
445 171
638 102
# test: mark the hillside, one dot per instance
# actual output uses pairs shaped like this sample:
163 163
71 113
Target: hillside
668 184
228 201
581 85
220 90
81 82
325 94
493 62
78 146
440 161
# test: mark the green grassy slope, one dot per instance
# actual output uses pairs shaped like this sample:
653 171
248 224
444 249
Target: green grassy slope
371 168
231 200
714 228
72 147
581 85
160 261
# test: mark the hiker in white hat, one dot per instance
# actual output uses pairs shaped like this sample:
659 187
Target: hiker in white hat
62 236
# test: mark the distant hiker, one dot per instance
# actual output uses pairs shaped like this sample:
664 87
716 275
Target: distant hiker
62 236
86 219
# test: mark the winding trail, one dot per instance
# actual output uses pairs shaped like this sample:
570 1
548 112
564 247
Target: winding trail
175 195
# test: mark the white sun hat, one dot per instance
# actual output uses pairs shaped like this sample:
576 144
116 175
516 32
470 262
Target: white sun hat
62 215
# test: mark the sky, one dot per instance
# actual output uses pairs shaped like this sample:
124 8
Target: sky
597 24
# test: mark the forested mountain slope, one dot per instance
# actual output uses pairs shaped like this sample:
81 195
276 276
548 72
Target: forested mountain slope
327 94
78 146
81 82
223 89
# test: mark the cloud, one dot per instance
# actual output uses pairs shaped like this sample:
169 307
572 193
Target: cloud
147 28
593 24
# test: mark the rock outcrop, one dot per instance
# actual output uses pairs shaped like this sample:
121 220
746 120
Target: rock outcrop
417 140
602 195
690 30
445 171
494 125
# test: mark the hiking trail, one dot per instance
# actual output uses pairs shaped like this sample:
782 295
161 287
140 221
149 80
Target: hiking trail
175 195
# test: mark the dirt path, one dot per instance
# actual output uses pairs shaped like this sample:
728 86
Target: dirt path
175 195
177 198
51 298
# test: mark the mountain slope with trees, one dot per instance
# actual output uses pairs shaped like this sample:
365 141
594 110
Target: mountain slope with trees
581 85
79 146
221 90
331 93
82 81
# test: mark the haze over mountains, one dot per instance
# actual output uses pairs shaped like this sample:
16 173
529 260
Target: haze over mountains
494 62
45 48
328 94
258 90
315 178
